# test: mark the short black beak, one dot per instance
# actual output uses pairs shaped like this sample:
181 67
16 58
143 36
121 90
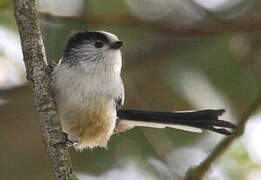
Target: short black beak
116 45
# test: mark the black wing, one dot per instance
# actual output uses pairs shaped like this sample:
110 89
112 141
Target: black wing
118 102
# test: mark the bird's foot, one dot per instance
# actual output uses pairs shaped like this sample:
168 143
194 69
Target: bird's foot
66 142
50 67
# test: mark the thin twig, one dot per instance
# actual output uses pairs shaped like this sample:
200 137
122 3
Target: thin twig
35 63
198 172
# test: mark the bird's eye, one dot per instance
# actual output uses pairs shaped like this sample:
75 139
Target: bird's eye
98 44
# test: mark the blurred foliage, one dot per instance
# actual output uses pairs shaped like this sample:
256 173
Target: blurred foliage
6 14
115 7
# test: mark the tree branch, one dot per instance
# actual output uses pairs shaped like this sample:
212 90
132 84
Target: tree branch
198 172
35 63
248 25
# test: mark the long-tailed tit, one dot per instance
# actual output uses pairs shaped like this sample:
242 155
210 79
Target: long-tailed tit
89 93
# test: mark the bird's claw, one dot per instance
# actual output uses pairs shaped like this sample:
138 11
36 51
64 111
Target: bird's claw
66 142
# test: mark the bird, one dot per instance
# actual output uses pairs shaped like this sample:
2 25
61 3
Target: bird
89 95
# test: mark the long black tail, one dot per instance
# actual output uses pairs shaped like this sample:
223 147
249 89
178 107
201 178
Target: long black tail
203 119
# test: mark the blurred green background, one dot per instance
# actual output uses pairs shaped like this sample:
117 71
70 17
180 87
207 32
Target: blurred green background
178 55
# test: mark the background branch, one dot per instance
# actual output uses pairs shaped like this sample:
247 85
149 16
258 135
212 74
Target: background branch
198 172
35 62
247 25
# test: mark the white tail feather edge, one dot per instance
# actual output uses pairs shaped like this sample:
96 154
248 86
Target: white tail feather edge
158 125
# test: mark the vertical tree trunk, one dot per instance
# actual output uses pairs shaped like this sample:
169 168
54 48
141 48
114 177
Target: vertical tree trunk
35 63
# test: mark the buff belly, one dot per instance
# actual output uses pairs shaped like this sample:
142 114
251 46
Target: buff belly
91 126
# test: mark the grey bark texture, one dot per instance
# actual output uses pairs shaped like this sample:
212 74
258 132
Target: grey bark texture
37 74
